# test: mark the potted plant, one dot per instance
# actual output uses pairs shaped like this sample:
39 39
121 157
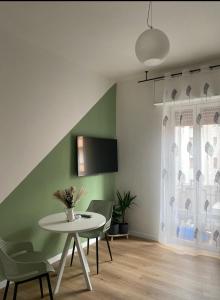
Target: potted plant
69 197
125 201
114 228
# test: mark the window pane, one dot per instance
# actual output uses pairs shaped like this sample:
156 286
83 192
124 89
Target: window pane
210 152
184 159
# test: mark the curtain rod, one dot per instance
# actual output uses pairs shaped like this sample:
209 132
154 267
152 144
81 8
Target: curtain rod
174 74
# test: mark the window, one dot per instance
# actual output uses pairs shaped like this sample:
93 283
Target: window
191 187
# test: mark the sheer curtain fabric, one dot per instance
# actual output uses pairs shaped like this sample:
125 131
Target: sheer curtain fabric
190 163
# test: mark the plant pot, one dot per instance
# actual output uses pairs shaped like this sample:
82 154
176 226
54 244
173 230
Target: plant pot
123 228
114 229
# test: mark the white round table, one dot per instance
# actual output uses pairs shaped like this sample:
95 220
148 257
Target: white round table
58 223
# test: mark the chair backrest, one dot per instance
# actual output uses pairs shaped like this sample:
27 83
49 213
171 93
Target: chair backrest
104 208
8 265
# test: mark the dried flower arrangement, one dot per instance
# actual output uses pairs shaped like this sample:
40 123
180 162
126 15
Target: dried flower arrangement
69 197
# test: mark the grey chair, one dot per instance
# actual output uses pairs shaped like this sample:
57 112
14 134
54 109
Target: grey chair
104 208
20 263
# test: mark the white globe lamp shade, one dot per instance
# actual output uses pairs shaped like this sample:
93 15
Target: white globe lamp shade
152 47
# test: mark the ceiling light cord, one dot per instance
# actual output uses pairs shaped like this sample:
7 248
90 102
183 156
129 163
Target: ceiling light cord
148 15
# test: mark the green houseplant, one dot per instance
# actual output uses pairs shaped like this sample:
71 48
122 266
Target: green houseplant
114 228
124 201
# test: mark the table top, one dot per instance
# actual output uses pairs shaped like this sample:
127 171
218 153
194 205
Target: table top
58 222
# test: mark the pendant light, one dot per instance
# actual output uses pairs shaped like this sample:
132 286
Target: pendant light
152 46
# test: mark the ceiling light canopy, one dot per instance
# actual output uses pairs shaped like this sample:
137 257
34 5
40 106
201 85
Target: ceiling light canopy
152 46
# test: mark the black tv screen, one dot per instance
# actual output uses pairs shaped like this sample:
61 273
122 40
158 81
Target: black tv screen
96 155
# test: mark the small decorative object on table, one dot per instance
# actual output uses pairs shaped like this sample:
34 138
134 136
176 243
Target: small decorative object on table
69 197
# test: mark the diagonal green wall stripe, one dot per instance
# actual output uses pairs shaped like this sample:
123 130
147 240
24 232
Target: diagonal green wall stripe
32 199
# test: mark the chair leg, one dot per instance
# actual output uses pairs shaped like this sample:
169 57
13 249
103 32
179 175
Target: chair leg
97 255
74 246
49 287
109 249
6 290
15 291
88 246
41 287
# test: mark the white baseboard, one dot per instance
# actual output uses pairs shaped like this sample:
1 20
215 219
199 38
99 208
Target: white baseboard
55 258
144 235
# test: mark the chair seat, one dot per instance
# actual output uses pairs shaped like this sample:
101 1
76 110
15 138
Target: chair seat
31 258
91 234
34 256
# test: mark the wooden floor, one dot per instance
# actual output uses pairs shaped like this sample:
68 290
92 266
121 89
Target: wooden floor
140 270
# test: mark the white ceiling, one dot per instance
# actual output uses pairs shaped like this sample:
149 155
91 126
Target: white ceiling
101 35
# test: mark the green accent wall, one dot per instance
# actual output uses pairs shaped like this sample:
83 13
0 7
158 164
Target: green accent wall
33 198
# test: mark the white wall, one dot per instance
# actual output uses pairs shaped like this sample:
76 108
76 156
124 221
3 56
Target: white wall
138 132
42 96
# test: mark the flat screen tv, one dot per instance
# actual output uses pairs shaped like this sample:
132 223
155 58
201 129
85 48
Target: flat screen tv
96 155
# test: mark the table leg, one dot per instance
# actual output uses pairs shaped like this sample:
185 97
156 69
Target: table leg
62 262
83 261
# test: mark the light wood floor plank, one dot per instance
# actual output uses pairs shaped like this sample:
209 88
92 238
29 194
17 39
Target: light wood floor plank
140 270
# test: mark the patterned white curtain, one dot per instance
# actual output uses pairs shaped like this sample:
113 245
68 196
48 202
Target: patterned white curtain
190 159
